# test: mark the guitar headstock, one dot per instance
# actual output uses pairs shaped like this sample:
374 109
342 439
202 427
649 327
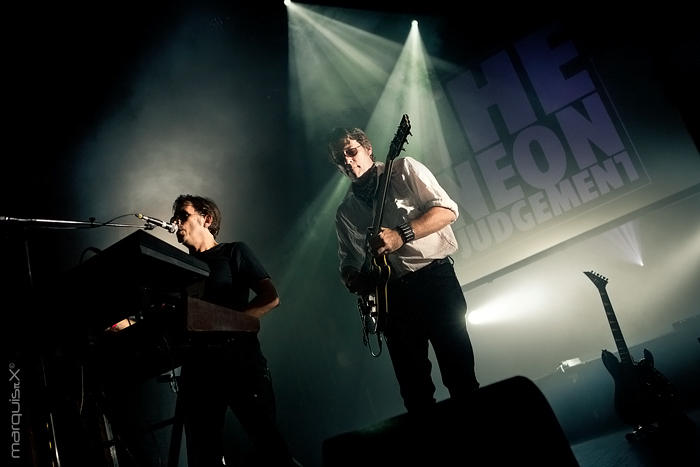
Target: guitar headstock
598 280
399 138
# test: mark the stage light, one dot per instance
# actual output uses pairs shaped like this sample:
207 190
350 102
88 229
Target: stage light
624 238
516 304
307 239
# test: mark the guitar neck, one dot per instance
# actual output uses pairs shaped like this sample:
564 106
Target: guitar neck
615 328
381 196
394 150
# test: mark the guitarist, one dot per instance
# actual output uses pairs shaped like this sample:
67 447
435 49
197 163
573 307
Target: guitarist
425 299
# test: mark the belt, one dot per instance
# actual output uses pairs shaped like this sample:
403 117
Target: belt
436 262
432 265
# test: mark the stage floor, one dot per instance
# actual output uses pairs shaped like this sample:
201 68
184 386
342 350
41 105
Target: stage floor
613 450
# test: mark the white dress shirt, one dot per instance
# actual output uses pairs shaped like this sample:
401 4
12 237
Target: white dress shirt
413 191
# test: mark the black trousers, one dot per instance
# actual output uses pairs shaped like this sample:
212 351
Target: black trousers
230 373
428 305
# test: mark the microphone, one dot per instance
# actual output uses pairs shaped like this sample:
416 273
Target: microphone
172 228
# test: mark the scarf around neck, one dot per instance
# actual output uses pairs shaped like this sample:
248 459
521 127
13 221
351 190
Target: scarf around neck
365 187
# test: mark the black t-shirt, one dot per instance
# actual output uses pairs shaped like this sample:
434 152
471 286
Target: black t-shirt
233 271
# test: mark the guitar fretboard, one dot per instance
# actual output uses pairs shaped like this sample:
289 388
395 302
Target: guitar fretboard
625 357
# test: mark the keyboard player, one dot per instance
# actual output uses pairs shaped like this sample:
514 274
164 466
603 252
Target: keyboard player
227 369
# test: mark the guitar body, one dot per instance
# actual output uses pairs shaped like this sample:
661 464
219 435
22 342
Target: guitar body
383 274
642 394
374 307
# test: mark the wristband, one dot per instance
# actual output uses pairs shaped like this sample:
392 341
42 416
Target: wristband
406 232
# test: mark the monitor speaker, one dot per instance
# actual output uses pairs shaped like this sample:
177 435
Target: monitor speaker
506 423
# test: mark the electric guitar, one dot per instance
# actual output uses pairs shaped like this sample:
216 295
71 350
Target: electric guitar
374 306
643 396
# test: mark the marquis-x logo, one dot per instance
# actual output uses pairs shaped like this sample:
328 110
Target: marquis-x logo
15 384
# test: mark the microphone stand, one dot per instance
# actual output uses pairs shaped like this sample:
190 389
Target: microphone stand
58 223
50 423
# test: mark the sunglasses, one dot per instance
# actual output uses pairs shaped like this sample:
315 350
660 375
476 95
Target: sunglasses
349 152
180 216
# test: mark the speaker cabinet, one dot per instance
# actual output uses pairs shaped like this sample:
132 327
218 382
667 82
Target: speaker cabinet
506 423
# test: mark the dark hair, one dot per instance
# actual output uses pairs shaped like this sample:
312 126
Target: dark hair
336 141
204 206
